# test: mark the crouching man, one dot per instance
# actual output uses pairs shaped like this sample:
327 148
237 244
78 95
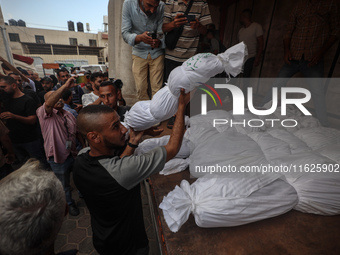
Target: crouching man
110 182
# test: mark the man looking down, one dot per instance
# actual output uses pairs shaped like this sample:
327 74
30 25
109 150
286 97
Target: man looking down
110 182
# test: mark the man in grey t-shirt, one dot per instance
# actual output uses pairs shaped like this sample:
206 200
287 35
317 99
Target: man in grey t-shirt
109 179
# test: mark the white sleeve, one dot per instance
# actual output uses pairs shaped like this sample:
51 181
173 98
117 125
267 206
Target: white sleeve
32 85
259 30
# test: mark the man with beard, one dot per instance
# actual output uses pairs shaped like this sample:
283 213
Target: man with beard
141 23
47 85
109 93
26 90
59 132
93 98
109 181
20 117
77 92
8 68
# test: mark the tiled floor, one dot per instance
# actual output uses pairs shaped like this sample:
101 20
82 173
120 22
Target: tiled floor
76 232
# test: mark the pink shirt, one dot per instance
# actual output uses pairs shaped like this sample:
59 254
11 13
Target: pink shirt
55 134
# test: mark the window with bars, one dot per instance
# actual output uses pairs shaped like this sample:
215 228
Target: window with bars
39 39
73 41
92 43
14 37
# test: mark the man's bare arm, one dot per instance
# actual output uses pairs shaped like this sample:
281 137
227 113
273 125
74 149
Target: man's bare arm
134 139
176 136
29 120
56 95
178 21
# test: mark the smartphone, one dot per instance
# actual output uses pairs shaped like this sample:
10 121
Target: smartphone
190 18
153 35
81 79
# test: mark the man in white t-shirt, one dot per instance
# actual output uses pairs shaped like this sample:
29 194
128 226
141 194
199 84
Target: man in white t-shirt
251 34
93 98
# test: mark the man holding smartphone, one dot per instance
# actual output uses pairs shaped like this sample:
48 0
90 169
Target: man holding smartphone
59 131
63 75
141 24
194 24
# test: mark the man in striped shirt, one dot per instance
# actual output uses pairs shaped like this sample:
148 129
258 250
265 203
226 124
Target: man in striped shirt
312 29
188 42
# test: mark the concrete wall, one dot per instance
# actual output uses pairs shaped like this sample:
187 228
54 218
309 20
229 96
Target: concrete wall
92 60
120 53
28 34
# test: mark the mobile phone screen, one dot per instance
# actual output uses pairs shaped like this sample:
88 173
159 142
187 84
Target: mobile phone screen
191 18
81 79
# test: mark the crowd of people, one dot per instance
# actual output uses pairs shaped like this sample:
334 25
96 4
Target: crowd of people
69 127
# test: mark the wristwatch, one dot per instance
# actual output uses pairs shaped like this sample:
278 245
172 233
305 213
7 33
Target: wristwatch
132 145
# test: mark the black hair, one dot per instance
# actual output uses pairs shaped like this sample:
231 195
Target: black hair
24 72
5 67
14 74
110 83
8 80
66 95
118 84
210 32
95 75
46 79
249 12
54 79
106 74
96 109
62 70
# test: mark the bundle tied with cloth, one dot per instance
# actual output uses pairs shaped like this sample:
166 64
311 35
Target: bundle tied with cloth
194 71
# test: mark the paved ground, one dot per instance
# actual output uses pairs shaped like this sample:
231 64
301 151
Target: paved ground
76 232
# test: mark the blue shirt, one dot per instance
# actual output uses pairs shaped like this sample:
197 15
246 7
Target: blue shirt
69 109
135 22
77 93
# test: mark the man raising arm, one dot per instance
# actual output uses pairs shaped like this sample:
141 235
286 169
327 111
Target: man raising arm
109 181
